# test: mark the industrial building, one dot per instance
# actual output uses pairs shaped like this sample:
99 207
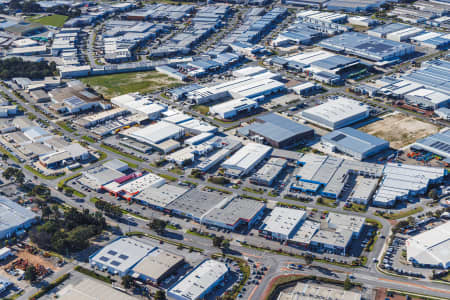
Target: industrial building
438 143
427 99
363 190
246 159
120 256
132 184
138 103
14 217
401 181
162 136
336 113
308 291
256 86
200 281
236 214
91 289
282 223
354 143
332 241
157 265
368 47
354 224
443 113
430 248
395 32
232 108
330 172
277 131
269 172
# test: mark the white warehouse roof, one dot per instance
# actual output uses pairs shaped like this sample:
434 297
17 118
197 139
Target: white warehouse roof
195 284
283 221
431 247
156 133
247 156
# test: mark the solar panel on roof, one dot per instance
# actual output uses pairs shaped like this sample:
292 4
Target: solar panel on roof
115 263
338 137
103 258
124 257
112 252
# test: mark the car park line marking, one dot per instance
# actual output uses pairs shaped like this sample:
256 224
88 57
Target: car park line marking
416 285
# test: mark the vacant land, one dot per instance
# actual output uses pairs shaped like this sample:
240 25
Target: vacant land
119 84
399 129
53 20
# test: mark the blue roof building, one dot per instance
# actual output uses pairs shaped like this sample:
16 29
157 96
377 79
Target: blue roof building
278 131
438 143
355 143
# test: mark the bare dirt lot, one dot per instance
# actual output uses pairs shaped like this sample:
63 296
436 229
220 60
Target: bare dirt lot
36 259
399 129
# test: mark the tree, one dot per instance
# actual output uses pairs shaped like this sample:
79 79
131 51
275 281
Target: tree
41 190
46 212
30 273
68 192
217 241
158 225
160 295
225 246
433 194
127 281
309 259
5 157
347 284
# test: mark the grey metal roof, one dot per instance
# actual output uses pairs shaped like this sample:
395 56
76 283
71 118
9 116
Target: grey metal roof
278 128
13 215
356 140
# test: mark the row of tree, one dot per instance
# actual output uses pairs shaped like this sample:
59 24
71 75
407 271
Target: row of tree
17 67
67 232
109 209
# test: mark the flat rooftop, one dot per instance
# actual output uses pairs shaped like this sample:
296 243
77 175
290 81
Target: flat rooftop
283 220
13 215
238 209
157 264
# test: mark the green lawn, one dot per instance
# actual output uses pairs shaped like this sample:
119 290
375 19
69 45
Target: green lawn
203 109
88 139
177 170
53 20
326 202
167 177
36 172
65 126
250 190
10 155
124 83
121 153
130 164
402 214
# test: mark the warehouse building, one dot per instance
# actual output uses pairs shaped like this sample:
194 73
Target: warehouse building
304 235
246 159
395 32
162 136
120 256
232 108
430 248
427 99
137 103
269 172
130 185
334 241
282 223
277 131
354 224
308 3
308 291
159 197
157 265
438 143
368 47
401 181
14 217
336 113
236 214
355 143
363 190
443 113
198 283
245 87
91 289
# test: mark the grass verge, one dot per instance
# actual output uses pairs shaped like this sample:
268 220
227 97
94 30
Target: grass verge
158 238
168 177
127 155
65 126
10 155
402 214
45 289
130 164
255 191
93 274
88 139
47 177
216 189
